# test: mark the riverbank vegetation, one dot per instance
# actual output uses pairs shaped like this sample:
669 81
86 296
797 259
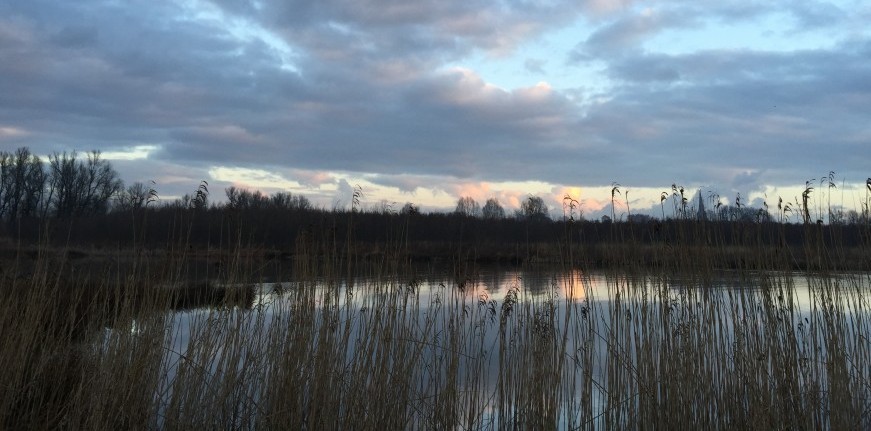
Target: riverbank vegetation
80 203
200 316
347 340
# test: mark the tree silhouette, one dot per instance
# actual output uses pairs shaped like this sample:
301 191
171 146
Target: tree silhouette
468 207
493 210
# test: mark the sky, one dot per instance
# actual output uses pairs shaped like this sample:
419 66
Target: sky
426 101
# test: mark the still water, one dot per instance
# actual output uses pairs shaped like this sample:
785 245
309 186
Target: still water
599 331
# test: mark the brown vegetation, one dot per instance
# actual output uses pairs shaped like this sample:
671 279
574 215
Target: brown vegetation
348 341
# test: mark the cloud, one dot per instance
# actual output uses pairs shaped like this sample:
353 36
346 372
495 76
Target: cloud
625 35
406 183
332 91
139 152
749 180
534 65
816 14
313 178
602 7
75 37
393 27
344 195
778 112
627 32
629 28
9 133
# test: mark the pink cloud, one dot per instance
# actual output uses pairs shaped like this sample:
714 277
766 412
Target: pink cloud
313 178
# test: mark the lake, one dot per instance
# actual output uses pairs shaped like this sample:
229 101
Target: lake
548 348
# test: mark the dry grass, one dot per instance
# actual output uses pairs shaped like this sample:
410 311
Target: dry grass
640 345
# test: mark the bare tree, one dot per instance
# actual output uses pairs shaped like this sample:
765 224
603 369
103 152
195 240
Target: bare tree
410 209
133 197
235 197
22 183
244 199
493 210
98 184
81 187
6 183
468 207
290 201
62 180
533 208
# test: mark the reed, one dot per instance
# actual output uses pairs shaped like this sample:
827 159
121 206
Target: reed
341 342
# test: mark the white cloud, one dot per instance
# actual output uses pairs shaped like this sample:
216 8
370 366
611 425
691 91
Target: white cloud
139 152
252 178
12 132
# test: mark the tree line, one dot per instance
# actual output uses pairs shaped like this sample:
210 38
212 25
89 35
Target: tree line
80 200
71 185
87 189
67 186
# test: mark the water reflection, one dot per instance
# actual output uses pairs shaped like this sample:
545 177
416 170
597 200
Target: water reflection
602 342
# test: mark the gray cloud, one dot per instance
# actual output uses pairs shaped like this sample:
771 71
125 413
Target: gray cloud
791 113
816 14
534 65
361 87
629 31
393 27
624 34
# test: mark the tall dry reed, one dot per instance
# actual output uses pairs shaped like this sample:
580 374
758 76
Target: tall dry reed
340 344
